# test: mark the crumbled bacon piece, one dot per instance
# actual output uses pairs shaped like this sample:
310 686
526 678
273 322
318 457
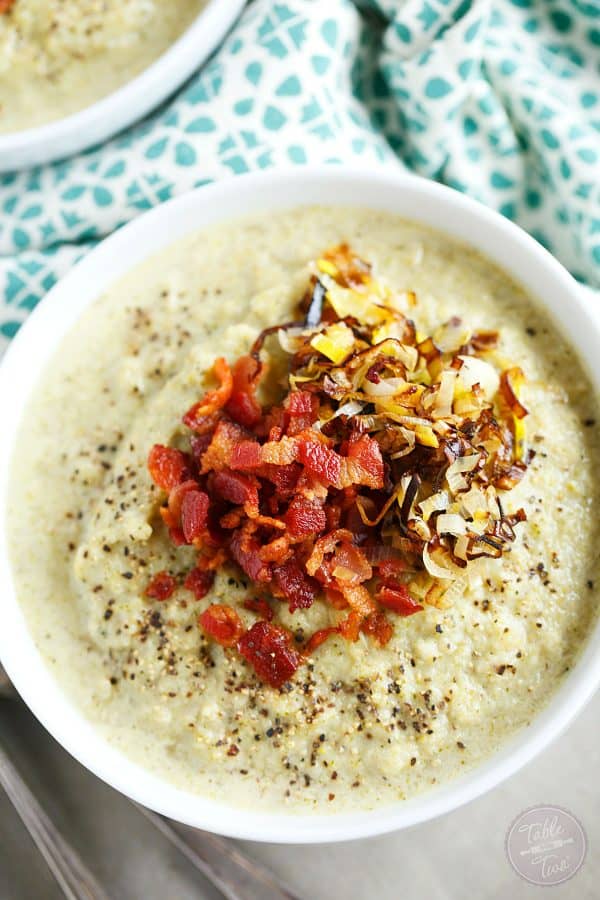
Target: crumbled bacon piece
175 501
218 454
349 627
398 599
199 444
245 550
280 451
349 565
324 546
335 598
246 455
359 599
389 570
211 558
168 467
378 626
213 401
295 585
161 586
221 623
244 409
259 606
285 477
305 517
199 582
302 410
5 5
175 533
268 648
194 515
319 637
277 550
241 490
364 462
322 462
242 406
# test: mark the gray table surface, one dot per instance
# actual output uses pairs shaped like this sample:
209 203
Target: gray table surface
458 856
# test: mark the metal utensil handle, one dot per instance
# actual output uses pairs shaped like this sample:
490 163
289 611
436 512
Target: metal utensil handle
230 870
6 688
218 859
75 880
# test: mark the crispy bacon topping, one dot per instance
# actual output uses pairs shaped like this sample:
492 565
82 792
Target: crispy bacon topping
194 515
269 651
222 623
241 490
398 599
304 517
199 582
319 637
245 551
259 606
379 627
168 467
161 586
242 405
213 400
371 485
295 585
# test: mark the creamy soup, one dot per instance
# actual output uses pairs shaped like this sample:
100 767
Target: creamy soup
357 726
59 56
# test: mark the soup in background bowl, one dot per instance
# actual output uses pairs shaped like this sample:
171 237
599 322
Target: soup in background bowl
74 73
57 58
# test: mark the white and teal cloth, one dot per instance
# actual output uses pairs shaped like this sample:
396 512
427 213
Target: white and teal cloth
498 98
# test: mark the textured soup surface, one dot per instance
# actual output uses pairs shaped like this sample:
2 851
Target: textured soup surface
360 725
59 56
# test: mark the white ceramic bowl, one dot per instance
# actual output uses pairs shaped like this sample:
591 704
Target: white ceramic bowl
132 101
408 196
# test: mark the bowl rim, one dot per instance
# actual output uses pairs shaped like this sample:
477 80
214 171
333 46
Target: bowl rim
227 200
128 103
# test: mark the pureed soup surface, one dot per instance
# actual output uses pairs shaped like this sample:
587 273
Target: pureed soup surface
59 56
358 725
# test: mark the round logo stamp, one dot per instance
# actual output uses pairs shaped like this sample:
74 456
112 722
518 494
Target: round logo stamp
546 845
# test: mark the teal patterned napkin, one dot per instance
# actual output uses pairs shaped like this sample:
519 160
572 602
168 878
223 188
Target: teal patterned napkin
498 98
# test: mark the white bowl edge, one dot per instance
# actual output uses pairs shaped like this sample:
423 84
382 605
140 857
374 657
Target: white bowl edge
406 195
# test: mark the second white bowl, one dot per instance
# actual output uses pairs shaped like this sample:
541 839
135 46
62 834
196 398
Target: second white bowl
96 123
